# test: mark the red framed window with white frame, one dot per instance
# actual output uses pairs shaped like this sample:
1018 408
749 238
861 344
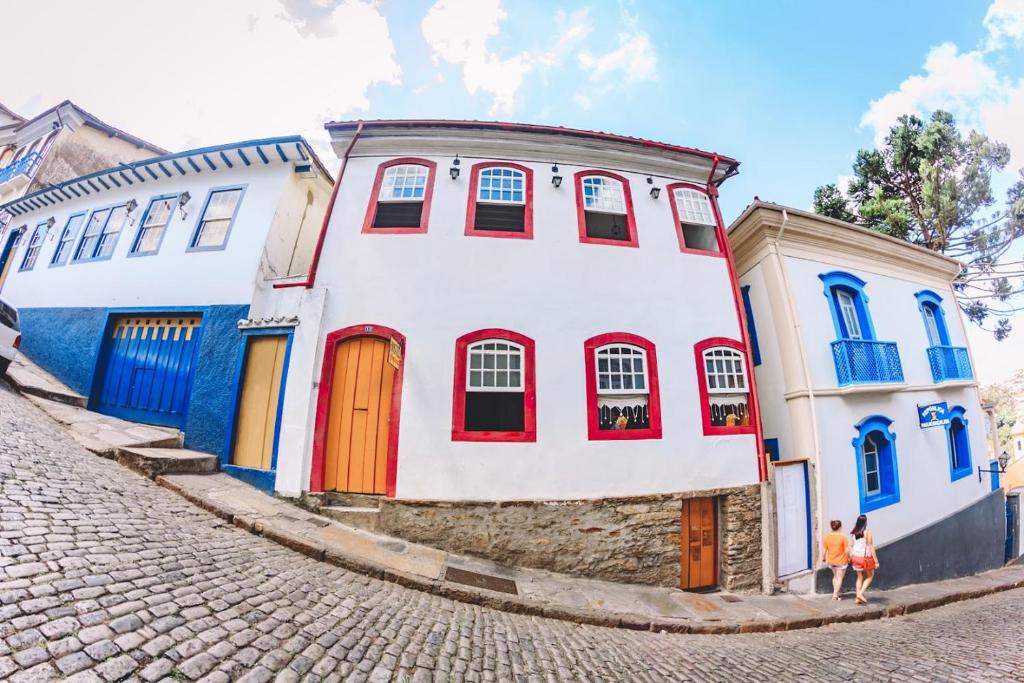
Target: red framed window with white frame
495 388
623 397
695 220
604 209
500 201
401 196
724 383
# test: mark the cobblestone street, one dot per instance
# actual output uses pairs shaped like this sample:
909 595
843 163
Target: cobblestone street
104 576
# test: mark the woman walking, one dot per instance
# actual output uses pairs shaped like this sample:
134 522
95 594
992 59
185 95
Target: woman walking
835 552
863 557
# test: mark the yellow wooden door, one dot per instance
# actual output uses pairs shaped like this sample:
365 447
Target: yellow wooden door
360 413
699 544
10 259
257 406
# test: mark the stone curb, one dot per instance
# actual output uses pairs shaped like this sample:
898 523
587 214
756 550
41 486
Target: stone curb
23 388
505 603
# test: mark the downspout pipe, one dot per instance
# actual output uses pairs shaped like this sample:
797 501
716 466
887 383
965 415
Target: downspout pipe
734 281
308 282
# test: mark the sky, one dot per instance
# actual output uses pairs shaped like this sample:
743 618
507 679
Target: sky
791 89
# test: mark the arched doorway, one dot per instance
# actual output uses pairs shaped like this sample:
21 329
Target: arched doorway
355 440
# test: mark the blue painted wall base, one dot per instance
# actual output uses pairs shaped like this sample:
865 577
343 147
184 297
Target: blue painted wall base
261 479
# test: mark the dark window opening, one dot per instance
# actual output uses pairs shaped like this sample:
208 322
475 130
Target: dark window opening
398 215
500 217
607 226
498 411
701 237
636 416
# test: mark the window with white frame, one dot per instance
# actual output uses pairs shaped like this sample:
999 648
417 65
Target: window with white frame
870 463
67 239
848 311
696 219
500 200
725 379
111 229
215 221
35 243
623 387
151 230
495 387
101 232
605 208
400 201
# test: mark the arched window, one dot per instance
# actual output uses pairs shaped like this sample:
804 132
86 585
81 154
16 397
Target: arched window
604 208
696 226
500 201
849 306
877 470
930 305
959 444
622 387
400 200
724 387
35 243
495 387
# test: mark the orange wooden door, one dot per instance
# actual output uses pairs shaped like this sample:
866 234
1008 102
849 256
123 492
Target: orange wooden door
356 446
698 544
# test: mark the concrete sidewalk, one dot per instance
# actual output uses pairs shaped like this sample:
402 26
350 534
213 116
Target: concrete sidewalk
532 591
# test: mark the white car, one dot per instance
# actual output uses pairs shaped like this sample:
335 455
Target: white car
10 335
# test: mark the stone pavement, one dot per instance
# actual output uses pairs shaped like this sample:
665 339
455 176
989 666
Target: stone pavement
105 576
555 595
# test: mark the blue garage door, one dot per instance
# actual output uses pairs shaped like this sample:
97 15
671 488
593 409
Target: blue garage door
147 367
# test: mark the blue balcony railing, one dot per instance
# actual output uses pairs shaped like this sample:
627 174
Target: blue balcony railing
949 362
24 165
859 361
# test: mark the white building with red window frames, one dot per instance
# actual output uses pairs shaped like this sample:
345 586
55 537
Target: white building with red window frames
531 315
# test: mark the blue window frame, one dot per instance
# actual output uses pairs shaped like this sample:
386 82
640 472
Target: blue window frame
848 303
771 447
755 349
153 225
930 305
959 442
877 469
100 234
216 219
35 243
67 239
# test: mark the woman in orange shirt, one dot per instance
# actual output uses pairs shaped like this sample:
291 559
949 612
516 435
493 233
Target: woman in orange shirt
835 552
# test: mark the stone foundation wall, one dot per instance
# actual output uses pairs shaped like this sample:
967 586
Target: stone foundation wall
628 540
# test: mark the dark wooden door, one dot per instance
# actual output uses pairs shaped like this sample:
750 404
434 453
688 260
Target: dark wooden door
698 544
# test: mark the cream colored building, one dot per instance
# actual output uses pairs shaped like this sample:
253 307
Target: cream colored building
868 399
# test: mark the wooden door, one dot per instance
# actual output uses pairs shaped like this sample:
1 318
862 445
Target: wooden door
698 544
359 416
792 512
256 426
7 256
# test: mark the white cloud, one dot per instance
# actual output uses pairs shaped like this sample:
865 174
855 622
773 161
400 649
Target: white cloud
633 60
1005 23
195 73
458 32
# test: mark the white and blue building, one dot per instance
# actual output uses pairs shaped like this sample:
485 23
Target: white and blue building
134 285
869 403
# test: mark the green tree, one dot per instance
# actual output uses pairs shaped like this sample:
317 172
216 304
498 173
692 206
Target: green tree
930 184
1004 398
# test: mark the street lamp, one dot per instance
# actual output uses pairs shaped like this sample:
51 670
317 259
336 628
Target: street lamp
1003 461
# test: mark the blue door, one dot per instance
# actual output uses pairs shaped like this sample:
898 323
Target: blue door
146 368
1012 515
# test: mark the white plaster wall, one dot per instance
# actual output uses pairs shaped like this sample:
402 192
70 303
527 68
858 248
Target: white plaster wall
894 314
437 286
172 277
926 492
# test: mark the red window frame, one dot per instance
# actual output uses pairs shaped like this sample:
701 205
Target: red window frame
474 184
581 217
719 230
702 385
529 432
428 193
590 346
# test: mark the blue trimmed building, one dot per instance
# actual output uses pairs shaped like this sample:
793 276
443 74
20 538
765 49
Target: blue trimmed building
135 285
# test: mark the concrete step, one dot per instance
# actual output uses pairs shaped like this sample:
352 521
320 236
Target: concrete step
155 461
350 500
362 517
31 380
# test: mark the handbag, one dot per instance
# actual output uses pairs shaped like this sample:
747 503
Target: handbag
870 563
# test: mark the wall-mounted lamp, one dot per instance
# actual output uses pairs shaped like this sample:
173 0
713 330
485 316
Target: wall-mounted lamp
454 170
50 222
556 179
655 190
1003 460
183 199
130 209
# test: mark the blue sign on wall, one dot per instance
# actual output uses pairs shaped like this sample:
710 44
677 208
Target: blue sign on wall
933 414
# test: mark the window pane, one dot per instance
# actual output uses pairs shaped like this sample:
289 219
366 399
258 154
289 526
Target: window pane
603 194
693 207
404 183
501 185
